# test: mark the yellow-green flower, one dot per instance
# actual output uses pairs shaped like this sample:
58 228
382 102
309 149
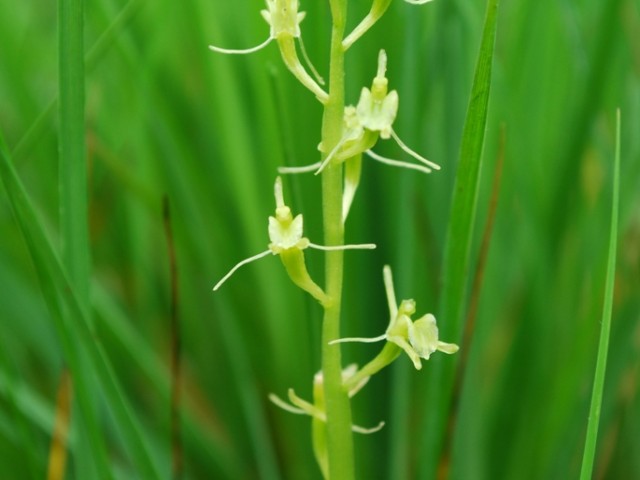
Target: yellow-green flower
284 22
287 241
363 124
419 338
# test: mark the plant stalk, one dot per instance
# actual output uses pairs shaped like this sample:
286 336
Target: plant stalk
338 408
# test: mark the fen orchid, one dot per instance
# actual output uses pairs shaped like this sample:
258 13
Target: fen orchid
287 241
419 338
284 22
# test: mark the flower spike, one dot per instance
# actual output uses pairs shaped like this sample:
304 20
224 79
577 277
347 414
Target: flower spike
284 22
418 339
287 241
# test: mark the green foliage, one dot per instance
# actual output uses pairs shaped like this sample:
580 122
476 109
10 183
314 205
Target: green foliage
166 116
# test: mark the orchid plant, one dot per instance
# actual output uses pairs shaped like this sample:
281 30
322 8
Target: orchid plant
348 132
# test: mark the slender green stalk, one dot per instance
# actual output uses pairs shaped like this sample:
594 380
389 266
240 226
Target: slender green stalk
73 166
339 437
72 184
605 326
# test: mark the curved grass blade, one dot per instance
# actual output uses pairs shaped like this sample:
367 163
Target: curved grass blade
458 244
73 327
605 327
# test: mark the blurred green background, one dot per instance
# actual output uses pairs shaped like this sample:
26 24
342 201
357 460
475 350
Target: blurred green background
167 117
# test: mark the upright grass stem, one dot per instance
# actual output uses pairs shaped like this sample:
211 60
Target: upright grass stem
339 437
73 204
73 169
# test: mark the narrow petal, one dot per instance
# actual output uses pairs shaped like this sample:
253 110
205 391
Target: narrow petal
448 347
305 169
418 157
285 406
238 265
359 246
277 193
359 339
366 431
241 52
391 295
397 163
307 60
332 154
309 408
402 343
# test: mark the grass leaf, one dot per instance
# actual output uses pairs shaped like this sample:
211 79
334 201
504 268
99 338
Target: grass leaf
605 325
459 237
74 330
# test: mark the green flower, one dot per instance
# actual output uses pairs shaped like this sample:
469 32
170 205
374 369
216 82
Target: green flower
284 22
419 338
363 124
287 241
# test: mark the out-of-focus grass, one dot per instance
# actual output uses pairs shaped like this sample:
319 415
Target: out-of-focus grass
164 115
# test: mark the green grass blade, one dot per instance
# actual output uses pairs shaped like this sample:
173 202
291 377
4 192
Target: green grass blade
15 410
73 327
459 238
36 240
73 165
605 327
92 58
73 206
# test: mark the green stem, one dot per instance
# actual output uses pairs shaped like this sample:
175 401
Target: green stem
339 437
